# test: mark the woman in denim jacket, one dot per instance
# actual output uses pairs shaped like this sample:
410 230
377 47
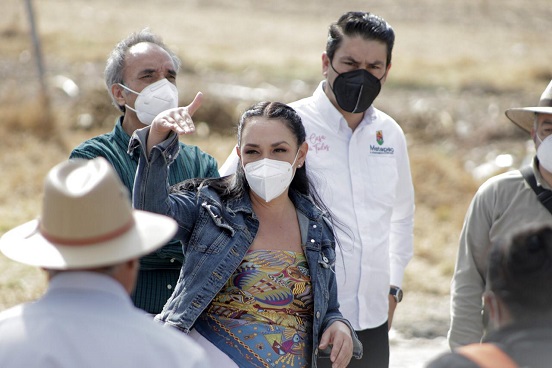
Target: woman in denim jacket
257 288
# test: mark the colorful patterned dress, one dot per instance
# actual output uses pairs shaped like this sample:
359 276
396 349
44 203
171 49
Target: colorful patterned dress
262 317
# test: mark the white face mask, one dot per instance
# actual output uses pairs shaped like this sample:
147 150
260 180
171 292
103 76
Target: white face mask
544 152
153 100
269 178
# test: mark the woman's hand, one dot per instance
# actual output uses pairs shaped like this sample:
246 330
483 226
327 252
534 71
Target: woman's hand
178 120
338 335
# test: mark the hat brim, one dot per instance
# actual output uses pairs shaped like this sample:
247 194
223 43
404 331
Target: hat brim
25 244
524 117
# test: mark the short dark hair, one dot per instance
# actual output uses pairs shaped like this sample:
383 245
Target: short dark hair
520 272
367 25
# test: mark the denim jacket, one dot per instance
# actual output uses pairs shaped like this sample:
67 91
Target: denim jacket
216 236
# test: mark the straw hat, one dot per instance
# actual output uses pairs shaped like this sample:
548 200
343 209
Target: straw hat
87 221
524 117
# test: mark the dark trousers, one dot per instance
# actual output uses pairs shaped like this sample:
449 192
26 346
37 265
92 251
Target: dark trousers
375 344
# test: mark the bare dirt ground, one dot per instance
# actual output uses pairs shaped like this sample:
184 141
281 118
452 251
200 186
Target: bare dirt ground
457 66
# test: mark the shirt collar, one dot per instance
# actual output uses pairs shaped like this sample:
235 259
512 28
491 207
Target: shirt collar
119 131
91 282
305 205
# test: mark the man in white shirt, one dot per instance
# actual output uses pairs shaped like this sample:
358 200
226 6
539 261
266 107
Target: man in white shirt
89 240
359 161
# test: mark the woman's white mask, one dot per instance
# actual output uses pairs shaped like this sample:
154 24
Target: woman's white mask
269 178
153 100
544 152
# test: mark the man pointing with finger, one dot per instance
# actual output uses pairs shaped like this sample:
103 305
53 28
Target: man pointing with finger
140 77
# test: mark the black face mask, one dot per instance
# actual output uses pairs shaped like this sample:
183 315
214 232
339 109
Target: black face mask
355 90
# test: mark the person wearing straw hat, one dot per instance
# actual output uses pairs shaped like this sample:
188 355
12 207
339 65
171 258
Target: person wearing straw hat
88 239
501 205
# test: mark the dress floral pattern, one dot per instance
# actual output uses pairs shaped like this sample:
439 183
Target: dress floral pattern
263 315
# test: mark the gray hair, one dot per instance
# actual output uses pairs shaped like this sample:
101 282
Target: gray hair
113 73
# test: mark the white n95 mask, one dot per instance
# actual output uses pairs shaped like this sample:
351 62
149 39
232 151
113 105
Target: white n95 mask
269 178
544 152
153 100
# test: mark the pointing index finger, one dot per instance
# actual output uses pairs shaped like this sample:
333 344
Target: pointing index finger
195 104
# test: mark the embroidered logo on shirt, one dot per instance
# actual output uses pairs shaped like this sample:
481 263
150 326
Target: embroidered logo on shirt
318 143
381 150
379 137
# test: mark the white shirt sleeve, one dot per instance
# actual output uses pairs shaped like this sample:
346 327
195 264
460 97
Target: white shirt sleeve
230 165
401 238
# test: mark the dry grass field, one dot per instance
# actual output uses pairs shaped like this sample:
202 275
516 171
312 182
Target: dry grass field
457 66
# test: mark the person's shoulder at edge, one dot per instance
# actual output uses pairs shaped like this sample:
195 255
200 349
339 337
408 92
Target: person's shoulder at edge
384 118
451 360
207 163
10 313
193 149
93 147
511 177
306 105
301 102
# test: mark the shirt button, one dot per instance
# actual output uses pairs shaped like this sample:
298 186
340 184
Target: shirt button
316 351
317 314
169 286
312 240
325 259
172 260
170 156
314 226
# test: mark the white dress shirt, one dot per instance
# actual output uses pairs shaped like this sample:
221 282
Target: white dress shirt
363 177
87 319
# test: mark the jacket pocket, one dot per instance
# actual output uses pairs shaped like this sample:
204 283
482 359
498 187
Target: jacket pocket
326 269
211 232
